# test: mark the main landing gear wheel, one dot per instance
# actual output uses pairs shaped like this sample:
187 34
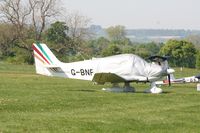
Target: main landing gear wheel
117 88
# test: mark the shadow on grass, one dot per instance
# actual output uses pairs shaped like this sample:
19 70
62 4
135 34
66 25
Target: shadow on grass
167 92
142 92
137 92
83 90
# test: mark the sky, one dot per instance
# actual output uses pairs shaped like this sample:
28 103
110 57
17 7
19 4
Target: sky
137 14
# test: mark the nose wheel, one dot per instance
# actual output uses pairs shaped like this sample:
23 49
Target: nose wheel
154 89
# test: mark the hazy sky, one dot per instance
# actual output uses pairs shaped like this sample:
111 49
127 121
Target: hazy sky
167 14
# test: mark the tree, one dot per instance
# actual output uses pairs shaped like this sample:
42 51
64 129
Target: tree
15 12
98 45
198 60
116 33
153 48
7 38
41 11
78 30
57 33
129 49
142 51
18 14
112 49
182 53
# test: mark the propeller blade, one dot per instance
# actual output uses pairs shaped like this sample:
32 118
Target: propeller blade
198 76
169 79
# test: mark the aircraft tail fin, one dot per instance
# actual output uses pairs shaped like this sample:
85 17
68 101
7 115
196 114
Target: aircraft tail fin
45 60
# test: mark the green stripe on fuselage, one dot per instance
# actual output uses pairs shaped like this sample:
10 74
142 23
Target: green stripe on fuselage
38 44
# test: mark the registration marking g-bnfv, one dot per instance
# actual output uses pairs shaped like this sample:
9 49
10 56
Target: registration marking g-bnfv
82 72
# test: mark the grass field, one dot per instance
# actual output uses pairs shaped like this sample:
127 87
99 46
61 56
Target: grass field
33 103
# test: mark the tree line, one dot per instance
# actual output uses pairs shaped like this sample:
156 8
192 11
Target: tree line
29 21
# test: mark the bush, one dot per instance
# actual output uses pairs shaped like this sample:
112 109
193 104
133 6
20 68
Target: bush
21 57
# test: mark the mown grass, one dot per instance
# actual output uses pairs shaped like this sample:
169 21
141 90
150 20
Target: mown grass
34 103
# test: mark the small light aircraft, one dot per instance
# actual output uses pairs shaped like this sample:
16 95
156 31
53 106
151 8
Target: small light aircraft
191 79
124 68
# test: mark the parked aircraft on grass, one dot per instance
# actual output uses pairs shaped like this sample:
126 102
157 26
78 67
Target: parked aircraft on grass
124 68
191 79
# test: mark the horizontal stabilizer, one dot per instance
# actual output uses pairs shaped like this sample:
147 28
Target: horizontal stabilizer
54 68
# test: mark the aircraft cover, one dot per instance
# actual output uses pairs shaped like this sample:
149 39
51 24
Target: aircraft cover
129 67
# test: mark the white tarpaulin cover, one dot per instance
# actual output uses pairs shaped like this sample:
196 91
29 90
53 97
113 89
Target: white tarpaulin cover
129 67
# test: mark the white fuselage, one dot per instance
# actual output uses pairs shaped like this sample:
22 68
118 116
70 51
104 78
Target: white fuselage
129 67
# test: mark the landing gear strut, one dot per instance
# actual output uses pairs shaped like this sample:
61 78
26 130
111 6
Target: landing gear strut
128 88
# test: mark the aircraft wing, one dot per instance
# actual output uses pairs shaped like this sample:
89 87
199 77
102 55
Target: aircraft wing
102 78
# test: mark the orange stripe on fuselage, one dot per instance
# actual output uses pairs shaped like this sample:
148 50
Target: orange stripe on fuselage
36 56
39 53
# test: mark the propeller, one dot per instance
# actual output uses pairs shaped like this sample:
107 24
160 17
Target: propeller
169 71
163 61
198 76
169 79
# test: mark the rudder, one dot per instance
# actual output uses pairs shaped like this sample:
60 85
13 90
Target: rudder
43 58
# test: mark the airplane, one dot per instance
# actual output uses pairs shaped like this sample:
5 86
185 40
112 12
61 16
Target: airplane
173 80
123 68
